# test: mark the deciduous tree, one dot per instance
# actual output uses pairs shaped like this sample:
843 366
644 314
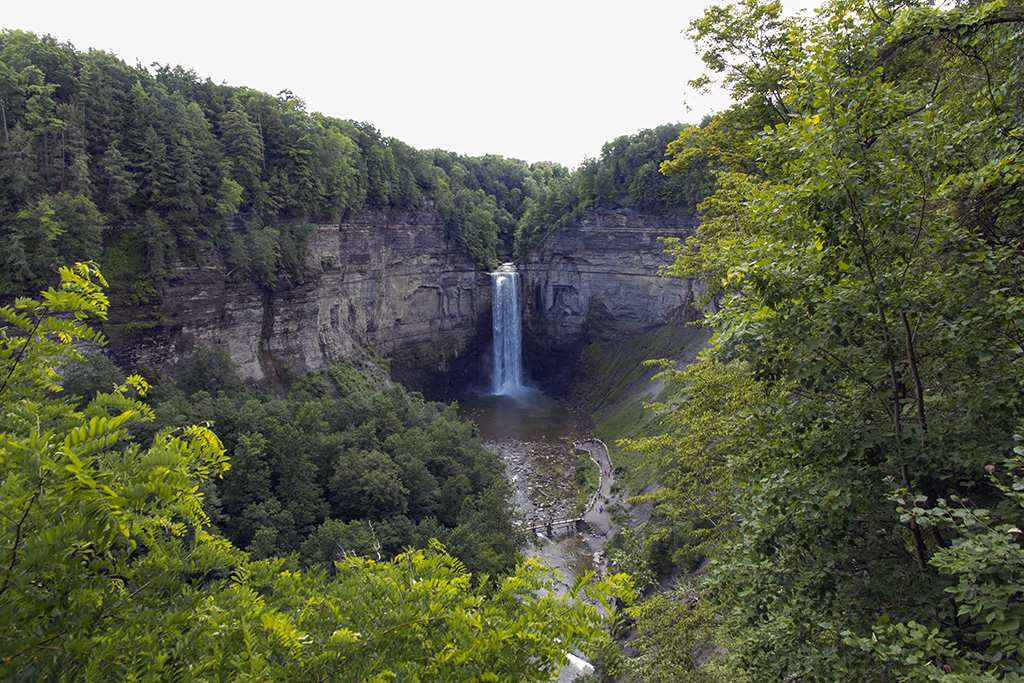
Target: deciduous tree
861 279
109 570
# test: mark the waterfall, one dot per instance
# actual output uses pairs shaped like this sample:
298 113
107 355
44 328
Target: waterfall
507 374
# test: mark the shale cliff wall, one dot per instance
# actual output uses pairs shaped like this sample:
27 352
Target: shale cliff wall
392 281
599 278
388 280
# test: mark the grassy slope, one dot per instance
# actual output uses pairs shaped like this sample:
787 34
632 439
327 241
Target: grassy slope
614 384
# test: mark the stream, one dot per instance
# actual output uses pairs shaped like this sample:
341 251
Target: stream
534 435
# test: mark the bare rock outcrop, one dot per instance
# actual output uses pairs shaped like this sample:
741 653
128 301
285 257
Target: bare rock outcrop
599 278
391 281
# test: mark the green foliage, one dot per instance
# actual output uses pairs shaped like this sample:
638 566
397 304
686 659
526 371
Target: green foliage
161 149
863 250
557 206
986 560
343 460
110 571
210 370
677 640
692 456
626 554
56 229
616 381
586 479
612 366
91 521
183 161
91 375
756 49
39 335
483 200
627 174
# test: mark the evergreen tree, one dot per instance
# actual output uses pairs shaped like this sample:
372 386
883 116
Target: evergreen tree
244 146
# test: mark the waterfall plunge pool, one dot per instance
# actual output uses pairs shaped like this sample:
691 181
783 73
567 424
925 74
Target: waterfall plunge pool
525 415
512 410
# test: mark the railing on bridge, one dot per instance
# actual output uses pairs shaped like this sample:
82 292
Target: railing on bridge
552 527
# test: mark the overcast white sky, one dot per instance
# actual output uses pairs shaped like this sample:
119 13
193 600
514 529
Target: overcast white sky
537 80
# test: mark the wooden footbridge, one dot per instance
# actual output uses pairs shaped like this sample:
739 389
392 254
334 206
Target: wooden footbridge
551 527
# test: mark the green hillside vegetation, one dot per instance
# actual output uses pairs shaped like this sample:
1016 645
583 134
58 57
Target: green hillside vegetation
111 570
627 174
846 454
135 167
342 467
848 451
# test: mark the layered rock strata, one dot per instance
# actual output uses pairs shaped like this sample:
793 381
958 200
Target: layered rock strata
599 278
392 282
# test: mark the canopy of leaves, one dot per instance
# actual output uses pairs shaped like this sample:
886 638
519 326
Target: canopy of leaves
110 569
183 162
851 436
344 467
626 175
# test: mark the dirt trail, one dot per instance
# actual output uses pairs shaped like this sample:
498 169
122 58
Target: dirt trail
599 522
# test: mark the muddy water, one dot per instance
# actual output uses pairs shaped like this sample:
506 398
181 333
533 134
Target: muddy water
527 415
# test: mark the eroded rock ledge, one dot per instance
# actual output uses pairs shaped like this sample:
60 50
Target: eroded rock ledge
599 278
393 282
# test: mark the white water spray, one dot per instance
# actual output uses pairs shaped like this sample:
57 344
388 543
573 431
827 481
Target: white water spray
507 374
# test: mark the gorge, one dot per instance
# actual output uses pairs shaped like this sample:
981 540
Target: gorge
244 242
844 460
391 283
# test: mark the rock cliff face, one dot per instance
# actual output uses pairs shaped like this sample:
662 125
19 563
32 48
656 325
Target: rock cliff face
392 281
598 278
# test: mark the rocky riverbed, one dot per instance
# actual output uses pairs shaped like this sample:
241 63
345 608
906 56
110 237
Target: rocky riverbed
542 475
